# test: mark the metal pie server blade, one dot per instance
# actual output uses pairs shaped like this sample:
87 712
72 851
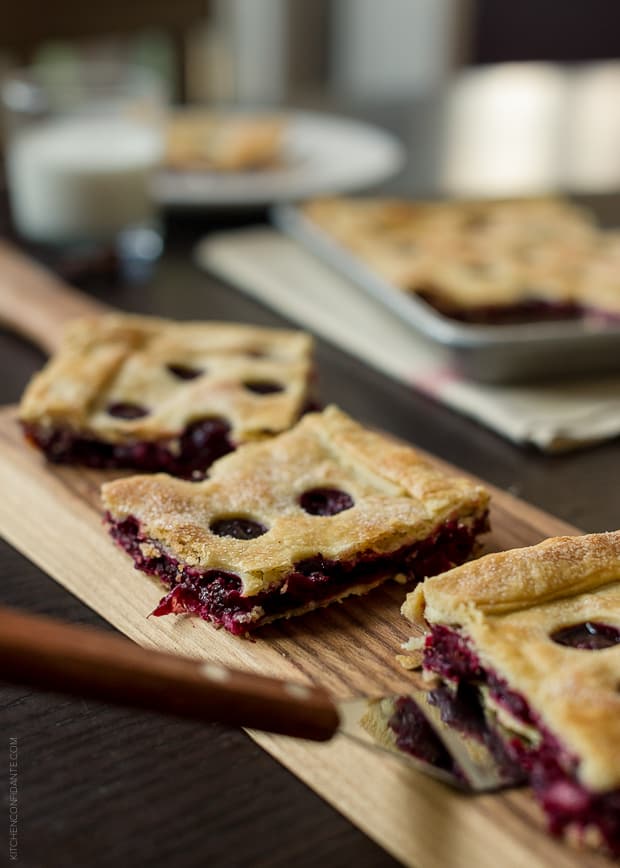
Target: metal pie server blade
436 749
86 662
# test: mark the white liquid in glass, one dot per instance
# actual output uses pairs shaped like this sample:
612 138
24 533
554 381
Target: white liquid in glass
82 178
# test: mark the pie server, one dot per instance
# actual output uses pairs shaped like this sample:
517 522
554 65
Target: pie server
87 662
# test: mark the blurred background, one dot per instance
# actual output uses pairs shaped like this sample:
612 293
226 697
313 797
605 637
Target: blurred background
488 97
534 97
291 50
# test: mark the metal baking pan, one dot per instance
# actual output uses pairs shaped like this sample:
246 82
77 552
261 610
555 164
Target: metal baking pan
488 353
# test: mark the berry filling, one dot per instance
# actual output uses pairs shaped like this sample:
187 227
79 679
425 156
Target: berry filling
415 735
217 596
528 311
188 455
325 501
549 767
460 709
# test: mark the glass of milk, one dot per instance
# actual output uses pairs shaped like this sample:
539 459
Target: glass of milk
83 145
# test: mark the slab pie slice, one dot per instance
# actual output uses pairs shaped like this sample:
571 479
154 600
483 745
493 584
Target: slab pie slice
207 141
153 394
524 646
283 526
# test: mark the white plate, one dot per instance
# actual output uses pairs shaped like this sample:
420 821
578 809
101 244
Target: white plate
322 154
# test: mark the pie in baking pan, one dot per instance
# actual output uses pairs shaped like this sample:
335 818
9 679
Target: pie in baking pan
486 262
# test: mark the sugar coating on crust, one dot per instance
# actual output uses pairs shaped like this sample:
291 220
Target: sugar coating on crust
124 359
398 498
509 604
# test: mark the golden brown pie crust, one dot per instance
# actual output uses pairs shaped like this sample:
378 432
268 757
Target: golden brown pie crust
480 254
399 498
509 603
119 358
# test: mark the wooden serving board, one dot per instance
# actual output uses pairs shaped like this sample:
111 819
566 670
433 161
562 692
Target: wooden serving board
53 515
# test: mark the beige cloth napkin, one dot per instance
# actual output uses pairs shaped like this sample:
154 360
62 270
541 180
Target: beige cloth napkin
285 277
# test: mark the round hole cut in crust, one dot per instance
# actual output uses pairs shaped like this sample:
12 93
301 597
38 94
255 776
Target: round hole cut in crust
202 431
587 636
237 527
185 372
325 501
263 387
126 410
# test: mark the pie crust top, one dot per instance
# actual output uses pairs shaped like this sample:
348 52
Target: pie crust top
123 359
398 496
224 143
480 254
509 604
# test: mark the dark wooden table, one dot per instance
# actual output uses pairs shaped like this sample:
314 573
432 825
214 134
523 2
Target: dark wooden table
99 786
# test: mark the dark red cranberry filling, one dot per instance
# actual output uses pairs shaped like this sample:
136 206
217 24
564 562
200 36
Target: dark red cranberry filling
185 372
263 387
125 410
460 709
589 636
189 456
239 528
313 580
325 501
448 654
214 596
548 766
528 311
208 435
415 735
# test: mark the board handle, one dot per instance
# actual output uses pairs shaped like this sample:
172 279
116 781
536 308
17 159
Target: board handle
36 304
87 662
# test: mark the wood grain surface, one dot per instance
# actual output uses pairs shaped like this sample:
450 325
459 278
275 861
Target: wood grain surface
53 515
35 303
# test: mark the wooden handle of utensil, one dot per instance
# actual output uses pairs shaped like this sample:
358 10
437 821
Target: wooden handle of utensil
35 303
88 662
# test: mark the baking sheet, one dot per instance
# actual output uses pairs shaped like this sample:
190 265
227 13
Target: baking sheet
493 354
